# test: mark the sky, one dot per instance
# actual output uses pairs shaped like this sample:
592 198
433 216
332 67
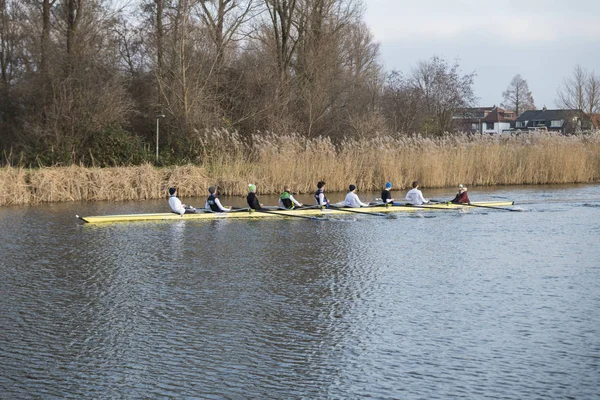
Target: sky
541 40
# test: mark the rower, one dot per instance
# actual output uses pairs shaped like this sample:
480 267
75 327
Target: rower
320 195
287 201
352 199
386 195
415 196
213 203
461 197
252 200
177 206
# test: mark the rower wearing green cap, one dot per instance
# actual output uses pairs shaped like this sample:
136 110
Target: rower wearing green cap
252 200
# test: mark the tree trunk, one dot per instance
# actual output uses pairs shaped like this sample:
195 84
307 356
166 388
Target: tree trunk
45 45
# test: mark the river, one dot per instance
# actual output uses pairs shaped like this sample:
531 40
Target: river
448 304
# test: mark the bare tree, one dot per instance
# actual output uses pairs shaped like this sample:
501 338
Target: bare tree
572 93
592 93
282 14
402 104
224 19
517 96
444 91
580 92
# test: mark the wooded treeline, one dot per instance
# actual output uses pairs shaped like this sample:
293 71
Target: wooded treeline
83 81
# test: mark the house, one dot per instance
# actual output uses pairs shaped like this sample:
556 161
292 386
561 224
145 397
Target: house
563 121
596 121
484 120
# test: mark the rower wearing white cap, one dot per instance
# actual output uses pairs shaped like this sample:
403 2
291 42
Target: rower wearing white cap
352 199
386 195
461 197
213 203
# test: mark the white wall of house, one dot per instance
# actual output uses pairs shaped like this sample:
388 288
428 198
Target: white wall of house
498 127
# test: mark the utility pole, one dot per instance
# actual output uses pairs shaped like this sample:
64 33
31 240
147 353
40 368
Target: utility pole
158 117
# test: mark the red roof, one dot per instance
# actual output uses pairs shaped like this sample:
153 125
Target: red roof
499 115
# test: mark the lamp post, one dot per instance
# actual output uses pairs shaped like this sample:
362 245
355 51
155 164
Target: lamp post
158 117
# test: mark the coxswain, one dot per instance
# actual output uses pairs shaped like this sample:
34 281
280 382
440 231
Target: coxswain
177 206
415 196
213 203
252 200
352 199
386 195
461 197
320 195
287 201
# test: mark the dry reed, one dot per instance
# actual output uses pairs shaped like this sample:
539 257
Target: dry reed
272 161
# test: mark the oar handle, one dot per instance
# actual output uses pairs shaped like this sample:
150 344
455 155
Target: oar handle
357 212
284 215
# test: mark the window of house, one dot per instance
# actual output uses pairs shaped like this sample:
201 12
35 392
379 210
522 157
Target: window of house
489 125
556 123
474 126
521 124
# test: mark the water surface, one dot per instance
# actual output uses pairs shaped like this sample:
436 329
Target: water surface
478 304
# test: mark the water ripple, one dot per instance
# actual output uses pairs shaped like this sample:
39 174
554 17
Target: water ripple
423 305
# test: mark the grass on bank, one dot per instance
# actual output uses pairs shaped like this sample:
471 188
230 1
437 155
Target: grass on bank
272 161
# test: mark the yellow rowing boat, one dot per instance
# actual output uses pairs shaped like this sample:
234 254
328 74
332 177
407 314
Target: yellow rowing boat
308 212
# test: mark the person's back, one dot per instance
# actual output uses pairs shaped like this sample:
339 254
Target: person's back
320 195
213 203
414 196
287 201
251 199
352 199
386 194
176 205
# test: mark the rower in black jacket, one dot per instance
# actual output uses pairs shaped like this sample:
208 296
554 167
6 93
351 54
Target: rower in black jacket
252 200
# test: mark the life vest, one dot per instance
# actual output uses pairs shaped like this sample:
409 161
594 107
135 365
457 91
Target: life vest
286 201
320 191
212 204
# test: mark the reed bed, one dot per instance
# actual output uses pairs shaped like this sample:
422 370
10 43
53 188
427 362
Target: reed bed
272 161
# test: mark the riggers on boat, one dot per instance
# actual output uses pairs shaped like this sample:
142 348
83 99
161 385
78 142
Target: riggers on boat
306 212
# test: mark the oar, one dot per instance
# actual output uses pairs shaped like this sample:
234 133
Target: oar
495 208
424 206
399 204
357 212
490 207
239 209
288 215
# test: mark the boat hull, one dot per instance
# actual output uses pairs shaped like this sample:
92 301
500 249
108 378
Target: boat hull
308 212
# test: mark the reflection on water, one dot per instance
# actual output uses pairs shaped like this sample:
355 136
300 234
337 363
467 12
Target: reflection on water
469 304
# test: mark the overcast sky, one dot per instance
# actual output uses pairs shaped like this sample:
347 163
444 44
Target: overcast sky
543 40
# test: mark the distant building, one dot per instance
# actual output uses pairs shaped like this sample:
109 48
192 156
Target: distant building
596 121
489 120
563 121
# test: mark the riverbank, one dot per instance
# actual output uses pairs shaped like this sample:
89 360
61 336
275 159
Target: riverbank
272 161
